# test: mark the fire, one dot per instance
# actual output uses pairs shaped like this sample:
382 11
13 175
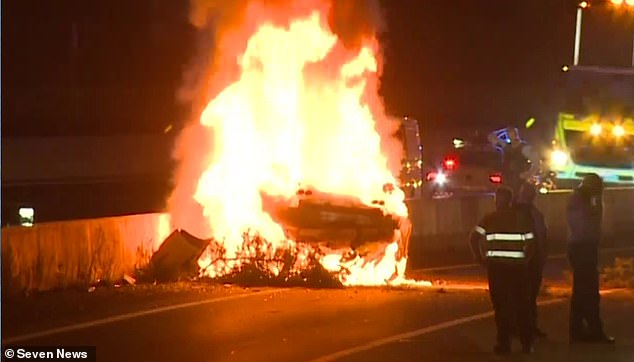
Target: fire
163 230
301 115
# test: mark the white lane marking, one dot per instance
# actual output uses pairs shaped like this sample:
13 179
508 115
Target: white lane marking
569 191
419 332
122 317
448 267
555 256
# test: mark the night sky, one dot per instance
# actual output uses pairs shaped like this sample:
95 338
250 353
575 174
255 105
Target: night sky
110 67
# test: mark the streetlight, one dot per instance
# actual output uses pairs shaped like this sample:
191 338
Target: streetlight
582 5
585 5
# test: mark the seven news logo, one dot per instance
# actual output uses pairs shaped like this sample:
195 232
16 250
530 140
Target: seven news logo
35 353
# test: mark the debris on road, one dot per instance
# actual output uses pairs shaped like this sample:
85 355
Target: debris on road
129 279
177 257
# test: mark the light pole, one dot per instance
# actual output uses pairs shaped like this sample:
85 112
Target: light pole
583 6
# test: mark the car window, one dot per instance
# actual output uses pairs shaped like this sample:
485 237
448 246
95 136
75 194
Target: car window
480 158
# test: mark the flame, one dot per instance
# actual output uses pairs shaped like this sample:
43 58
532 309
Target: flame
303 113
163 230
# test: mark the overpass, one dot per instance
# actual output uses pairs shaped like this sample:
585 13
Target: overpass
65 178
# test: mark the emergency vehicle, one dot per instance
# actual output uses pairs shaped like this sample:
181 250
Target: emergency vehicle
468 167
411 176
594 132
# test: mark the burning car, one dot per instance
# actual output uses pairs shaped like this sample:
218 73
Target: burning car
314 121
338 222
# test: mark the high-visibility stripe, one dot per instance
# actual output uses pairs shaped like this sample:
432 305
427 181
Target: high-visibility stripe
510 237
480 230
506 254
504 237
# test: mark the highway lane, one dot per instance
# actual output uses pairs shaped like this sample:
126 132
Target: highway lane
356 324
202 322
474 341
297 324
556 271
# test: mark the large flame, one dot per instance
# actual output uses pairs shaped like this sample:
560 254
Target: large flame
303 113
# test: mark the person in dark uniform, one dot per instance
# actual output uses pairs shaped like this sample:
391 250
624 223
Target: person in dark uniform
518 159
504 242
525 202
585 213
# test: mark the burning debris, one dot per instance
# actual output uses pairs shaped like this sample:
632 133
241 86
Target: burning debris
177 257
257 264
289 167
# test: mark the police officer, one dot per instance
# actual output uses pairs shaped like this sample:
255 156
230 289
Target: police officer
585 212
525 203
504 242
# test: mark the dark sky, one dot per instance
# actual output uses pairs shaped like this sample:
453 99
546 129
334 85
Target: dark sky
448 62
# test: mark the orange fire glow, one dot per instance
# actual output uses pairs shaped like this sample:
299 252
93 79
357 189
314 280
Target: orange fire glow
304 113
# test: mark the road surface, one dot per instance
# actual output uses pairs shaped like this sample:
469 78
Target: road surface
202 322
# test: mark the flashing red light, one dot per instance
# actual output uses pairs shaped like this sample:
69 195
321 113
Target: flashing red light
450 163
496 179
431 176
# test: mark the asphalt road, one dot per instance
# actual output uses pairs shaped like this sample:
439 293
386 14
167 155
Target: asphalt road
191 322
556 271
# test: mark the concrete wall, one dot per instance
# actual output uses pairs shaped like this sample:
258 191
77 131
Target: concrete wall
62 254
64 178
443 226
76 253
74 159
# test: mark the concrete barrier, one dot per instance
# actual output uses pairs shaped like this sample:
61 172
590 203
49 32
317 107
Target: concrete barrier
62 254
71 253
443 226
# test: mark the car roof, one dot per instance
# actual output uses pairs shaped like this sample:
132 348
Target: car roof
477 148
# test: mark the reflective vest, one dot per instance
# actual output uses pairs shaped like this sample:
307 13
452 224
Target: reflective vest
507 236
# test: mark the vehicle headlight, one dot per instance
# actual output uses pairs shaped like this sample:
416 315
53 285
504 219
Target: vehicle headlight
441 178
618 131
596 129
558 158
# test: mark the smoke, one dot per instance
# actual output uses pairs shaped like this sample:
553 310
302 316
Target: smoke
218 42
185 212
352 20
201 80
347 18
